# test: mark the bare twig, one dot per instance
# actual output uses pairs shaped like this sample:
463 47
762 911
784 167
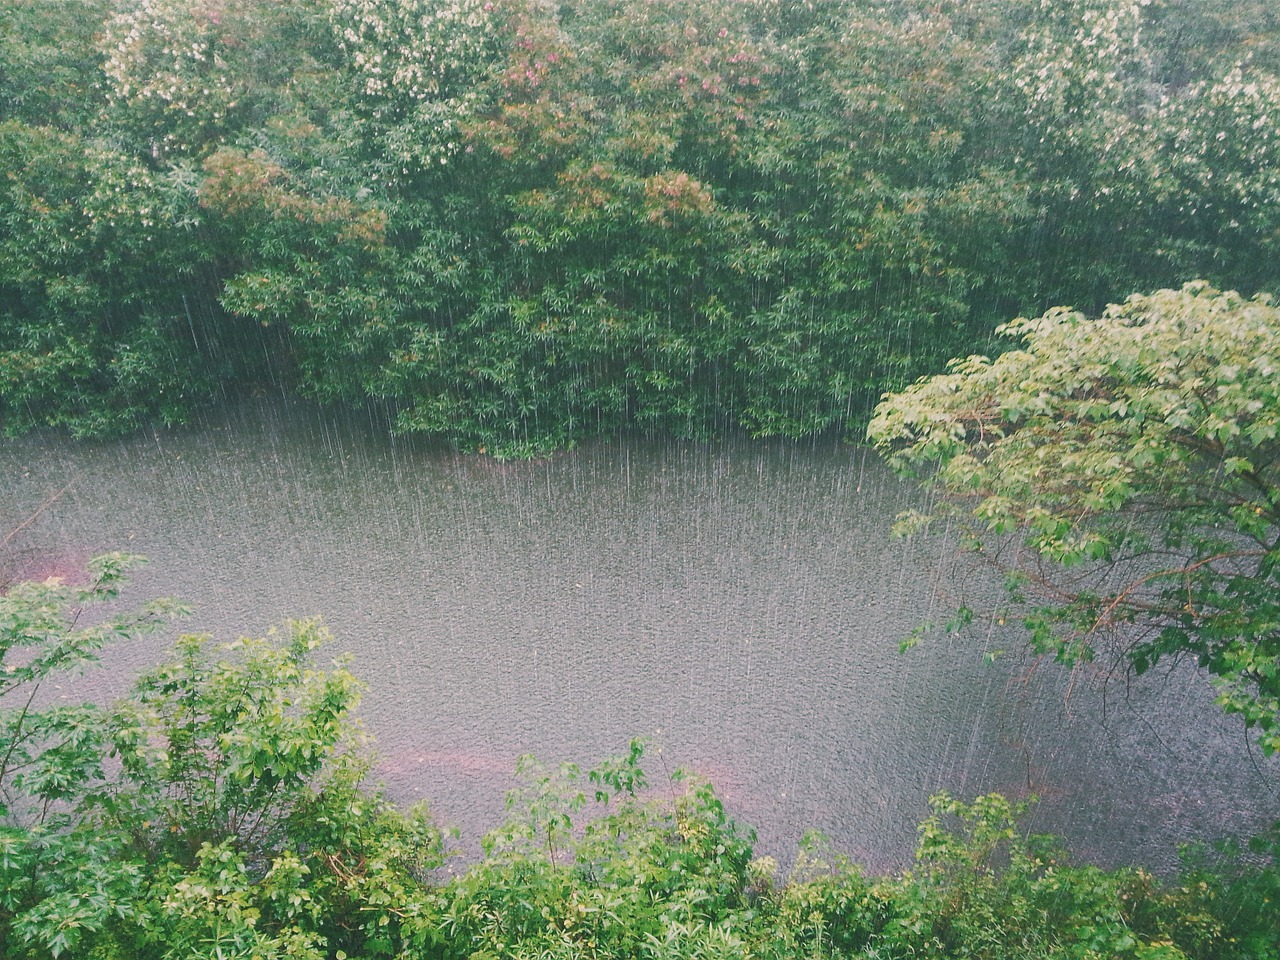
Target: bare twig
39 510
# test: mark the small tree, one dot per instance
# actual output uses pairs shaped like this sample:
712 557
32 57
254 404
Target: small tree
48 754
58 878
239 791
231 820
1125 473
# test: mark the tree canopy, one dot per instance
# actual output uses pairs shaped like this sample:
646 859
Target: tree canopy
521 223
1125 472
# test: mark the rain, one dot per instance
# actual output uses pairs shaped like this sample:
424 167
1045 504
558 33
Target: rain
738 603
576 363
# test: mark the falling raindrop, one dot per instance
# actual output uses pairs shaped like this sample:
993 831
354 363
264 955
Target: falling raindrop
743 598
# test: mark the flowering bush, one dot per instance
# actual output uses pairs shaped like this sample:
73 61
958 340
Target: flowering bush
1217 143
1080 68
165 61
416 62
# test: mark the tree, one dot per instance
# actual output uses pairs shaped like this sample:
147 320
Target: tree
48 753
239 796
1125 472
232 821
48 60
58 878
633 875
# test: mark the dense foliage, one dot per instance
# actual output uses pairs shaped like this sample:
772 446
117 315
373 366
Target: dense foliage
521 222
219 812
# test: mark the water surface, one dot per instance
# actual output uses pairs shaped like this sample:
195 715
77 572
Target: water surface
739 603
